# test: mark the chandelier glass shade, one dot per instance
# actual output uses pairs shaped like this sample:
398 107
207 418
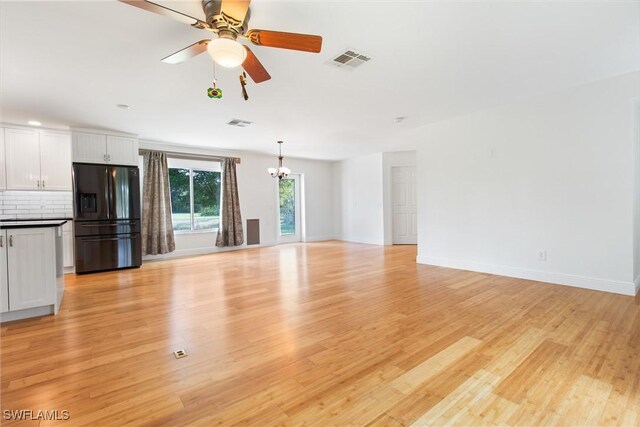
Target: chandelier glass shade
279 172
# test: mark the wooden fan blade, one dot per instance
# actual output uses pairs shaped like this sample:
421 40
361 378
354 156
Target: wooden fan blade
165 11
254 68
187 53
293 41
236 9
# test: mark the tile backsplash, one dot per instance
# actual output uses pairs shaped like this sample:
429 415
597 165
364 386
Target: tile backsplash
36 204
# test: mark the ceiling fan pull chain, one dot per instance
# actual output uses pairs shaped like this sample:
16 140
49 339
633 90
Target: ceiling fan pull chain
214 92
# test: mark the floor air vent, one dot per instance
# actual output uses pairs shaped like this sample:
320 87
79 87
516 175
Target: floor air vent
349 59
253 232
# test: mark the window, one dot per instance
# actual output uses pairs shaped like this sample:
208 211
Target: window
287 206
195 194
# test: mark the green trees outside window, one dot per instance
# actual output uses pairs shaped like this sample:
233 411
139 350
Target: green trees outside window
195 199
287 206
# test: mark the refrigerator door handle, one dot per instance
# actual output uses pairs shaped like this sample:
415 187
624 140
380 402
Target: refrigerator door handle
107 225
107 184
107 239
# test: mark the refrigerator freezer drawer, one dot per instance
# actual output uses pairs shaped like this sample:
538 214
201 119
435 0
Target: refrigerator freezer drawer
98 253
103 228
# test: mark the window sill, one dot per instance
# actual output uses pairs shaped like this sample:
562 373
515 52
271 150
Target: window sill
209 231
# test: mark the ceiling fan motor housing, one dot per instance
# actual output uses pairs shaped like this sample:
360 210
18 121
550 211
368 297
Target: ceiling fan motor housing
220 20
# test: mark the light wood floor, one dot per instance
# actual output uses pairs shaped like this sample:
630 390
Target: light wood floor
325 334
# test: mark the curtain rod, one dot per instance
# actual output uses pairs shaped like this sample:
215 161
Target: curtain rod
176 154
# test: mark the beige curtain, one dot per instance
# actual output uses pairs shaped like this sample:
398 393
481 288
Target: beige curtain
157 228
230 232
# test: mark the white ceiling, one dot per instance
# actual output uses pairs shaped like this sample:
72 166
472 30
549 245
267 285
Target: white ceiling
70 63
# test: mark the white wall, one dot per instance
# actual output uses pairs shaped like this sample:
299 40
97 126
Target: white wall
360 189
390 160
636 192
258 193
554 173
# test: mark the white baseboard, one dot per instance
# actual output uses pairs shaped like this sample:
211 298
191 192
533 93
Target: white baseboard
360 239
637 283
322 238
617 287
10 316
183 253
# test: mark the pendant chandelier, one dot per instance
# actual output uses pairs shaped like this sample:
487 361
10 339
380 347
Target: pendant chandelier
279 172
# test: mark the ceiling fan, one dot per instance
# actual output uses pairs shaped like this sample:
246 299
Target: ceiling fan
229 19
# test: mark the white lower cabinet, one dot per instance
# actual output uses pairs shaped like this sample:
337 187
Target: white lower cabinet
31 263
68 256
31 282
4 284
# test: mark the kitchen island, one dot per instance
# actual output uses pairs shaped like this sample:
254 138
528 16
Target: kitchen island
31 271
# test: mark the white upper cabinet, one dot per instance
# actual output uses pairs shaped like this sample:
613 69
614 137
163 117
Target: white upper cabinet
36 159
55 161
89 147
3 165
122 150
22 150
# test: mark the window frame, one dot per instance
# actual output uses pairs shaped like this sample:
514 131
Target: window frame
192 201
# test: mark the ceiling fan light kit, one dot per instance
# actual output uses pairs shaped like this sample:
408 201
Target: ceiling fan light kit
229 19
227 52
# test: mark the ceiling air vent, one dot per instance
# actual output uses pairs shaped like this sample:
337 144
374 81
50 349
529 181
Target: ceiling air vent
349 59
239 123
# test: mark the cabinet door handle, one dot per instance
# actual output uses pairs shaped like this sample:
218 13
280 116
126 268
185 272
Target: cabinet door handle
11 240
104 157
38 183
109 157
43 184
1 241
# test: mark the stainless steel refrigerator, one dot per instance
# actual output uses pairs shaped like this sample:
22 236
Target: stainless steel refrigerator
106 217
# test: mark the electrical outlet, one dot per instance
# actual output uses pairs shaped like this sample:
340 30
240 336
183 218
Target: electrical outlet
542 255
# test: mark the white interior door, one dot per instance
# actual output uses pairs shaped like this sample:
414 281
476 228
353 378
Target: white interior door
289 209
403 188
